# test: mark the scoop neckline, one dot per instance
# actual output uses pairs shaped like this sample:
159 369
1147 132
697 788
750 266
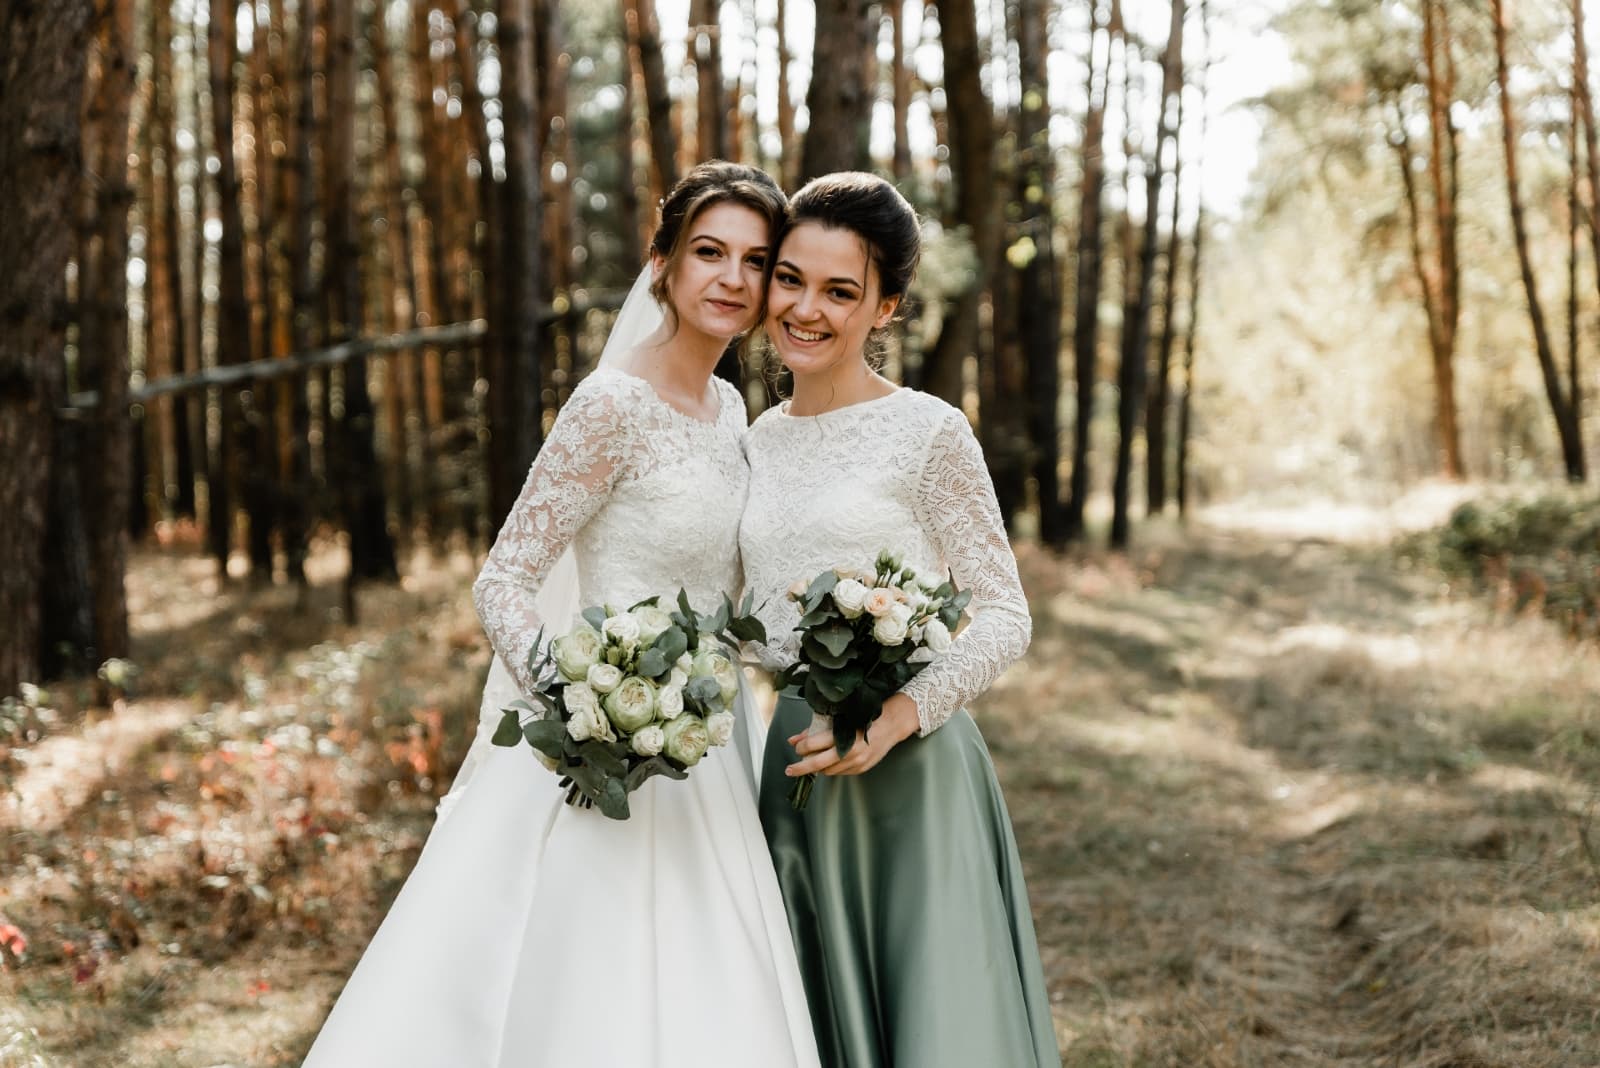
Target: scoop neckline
650 388
783 408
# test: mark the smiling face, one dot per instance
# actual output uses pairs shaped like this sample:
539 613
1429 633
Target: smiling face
715 284
824 300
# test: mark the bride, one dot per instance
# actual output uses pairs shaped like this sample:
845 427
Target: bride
534 934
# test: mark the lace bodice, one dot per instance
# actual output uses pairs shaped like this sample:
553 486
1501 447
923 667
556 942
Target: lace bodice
904 473
647 496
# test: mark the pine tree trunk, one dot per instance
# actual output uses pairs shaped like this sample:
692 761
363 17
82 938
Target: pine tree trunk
360 482
788 156
41 82
1086 317
840 98
705 35
1566 426
1155 419
1191 321
658 102
1442 173
972 164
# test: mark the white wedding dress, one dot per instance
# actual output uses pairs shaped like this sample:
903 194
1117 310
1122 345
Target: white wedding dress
535 935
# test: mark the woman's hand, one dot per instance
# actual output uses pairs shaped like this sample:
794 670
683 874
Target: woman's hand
819 754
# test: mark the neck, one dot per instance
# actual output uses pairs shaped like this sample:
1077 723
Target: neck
847 382
681 361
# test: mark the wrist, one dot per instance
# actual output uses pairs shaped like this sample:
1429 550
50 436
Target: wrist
901 710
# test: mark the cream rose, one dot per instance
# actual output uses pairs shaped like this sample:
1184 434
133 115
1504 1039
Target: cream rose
585 720
632 704
720 668
851 597
653 622
686 740
889 630
878 601
604 677
623 629
719 727
797 590
577 652
669 702
648 741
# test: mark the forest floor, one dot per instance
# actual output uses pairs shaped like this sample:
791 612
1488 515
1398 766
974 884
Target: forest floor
1284 800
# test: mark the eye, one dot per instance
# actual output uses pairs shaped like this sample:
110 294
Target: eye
708 252
758 262
846 295
787 278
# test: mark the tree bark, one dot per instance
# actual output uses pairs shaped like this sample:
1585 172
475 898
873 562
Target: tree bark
705 35
361 490
840 96
788 157
1086 317
1192 320
515 427
1155 420
1443 169
1567 428
1131 374
658 102
972 164
41 82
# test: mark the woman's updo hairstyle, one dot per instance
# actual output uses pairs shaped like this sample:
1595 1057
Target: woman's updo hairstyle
873 208
707 184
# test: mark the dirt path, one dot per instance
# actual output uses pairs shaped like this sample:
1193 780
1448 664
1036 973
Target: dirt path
1282 804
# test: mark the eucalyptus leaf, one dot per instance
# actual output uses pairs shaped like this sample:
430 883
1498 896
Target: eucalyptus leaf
549 736
647 600
838 685
599 755
509 732
653 664
590 779
748 629
816 618
683 604
818 653
595 617
613 800
672 644
835 637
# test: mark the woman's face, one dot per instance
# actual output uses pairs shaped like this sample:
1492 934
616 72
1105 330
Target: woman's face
716 286
824 299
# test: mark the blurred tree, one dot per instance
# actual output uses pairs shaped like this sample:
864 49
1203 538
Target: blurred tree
1090 256
840 97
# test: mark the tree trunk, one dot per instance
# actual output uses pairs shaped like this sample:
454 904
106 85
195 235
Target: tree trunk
1591 152
261 484
705 36
41 82
105 478
1086 315
1192 320
1039 285
658 102
1443 168
360 486
1131 373
972 164
788 157
631 228
901 74
840 96
514 391
1566 426
1155 419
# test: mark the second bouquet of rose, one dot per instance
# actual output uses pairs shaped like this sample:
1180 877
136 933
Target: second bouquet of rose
628 694
863 636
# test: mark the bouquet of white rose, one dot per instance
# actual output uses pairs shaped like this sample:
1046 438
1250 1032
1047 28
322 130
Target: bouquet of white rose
863 636
631 693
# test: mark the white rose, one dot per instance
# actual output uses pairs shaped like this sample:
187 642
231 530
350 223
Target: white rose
653 622
680 677
583 708
623 629
936 635
889 630
720 668
577 652
924 655
684 663
648 741
669 702
686 740
719 726
879 600
604 677
901 612
851 597
632 704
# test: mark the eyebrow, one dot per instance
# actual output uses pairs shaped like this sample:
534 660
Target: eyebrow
832 281
721 243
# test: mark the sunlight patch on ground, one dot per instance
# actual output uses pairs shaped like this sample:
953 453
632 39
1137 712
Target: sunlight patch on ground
1427 505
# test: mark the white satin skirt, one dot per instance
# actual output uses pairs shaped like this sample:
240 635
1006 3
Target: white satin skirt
532 934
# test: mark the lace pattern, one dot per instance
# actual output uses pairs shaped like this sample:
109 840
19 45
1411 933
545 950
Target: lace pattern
648 497
902 472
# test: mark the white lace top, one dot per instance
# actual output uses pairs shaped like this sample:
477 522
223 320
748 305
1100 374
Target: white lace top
648 496
904 473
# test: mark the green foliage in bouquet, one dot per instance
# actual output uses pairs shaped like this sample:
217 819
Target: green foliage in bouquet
630 694
862 638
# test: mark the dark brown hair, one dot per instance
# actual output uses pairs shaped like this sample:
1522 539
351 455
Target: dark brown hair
707 184
873 209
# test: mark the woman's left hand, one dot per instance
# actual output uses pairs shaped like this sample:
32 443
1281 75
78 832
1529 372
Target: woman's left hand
819 754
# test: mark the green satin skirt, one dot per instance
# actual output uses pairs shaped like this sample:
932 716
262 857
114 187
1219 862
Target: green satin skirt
906 900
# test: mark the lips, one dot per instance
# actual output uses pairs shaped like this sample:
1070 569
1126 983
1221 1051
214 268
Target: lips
726 305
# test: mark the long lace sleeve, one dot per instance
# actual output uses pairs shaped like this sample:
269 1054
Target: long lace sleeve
570 480
957 508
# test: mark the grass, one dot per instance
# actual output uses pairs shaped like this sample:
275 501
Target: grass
1282 801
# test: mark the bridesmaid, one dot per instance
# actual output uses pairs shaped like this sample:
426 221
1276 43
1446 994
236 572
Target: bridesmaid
901 877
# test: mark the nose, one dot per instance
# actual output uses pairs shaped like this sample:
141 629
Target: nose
732 272
805 306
